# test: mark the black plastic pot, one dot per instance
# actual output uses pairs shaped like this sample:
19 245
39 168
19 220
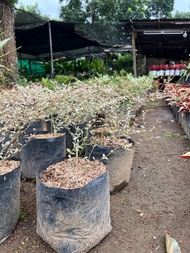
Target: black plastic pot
175 110
96 152
40 152
41 126
10 202
118 161
185 122
188 124
74 220
71 130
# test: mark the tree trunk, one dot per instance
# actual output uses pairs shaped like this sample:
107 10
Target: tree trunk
7 26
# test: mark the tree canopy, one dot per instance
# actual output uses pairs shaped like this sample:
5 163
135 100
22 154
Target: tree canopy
104 11
182 14
30 8
160 8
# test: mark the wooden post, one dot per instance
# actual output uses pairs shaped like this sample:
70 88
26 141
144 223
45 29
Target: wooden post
134 55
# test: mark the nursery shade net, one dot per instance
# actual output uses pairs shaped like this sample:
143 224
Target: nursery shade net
30 67
27 20
106 34
32 35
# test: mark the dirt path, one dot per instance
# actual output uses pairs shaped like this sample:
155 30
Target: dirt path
156 201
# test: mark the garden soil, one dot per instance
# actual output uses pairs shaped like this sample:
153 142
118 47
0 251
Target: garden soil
155 201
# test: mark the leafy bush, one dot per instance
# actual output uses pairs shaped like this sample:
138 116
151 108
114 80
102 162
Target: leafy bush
113 96
61 79
123 64
80 68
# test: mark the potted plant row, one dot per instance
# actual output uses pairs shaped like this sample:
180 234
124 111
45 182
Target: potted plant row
167 69
177 97
67 202
73 105
16 116
85 183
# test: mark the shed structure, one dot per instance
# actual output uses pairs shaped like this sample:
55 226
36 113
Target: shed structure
159 38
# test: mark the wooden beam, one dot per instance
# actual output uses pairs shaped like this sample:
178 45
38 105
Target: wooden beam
161 46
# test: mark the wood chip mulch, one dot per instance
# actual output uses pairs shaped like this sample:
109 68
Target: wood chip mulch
7 166
72 173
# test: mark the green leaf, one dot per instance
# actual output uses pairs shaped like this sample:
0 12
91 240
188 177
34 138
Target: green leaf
1 56
4 42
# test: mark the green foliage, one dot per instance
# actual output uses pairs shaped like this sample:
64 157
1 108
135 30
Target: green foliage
73 12
2 44
81 65
185 73
22 81
85 68
3 79
73 105
110 11
98 67
30 8
80 68
123 63
48 84
160 8
61 79
182 15
21 215
61 67
93 11
12 2
133 9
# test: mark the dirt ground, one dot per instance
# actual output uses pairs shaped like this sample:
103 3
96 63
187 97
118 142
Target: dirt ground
156 200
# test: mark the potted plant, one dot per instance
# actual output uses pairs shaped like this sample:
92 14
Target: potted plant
66 209
178 99
115 149
110 142
60 206
161 69
171 69
166 69
78 207
73 201
9 168
9 197
152 70
20 107
9 177
41 143
41 149
178 67
185 74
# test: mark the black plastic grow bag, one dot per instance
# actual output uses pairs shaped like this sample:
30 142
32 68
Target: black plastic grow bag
10 202
74 220
40 153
